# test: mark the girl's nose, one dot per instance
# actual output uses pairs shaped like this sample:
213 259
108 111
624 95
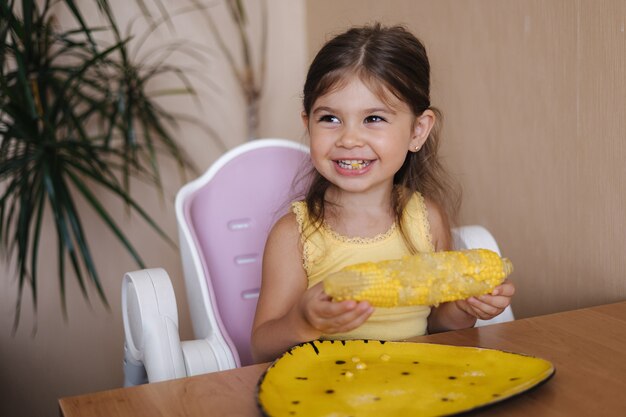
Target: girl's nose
349 138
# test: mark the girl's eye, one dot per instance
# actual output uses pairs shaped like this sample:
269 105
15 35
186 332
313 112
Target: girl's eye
374 119
329 118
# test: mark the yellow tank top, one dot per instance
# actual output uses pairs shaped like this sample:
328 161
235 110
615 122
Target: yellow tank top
325 251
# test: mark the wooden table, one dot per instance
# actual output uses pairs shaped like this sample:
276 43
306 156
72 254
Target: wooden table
587 347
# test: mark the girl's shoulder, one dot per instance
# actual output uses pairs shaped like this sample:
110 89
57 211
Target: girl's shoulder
284 235
286 225
292 224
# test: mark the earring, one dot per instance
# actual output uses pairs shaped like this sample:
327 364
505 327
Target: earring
417 148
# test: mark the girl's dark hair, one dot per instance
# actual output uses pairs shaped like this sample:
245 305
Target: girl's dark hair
393 58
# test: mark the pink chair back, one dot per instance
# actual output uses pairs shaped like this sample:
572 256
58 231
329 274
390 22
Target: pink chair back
231 215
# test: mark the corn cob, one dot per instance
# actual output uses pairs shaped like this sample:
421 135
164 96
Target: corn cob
422 279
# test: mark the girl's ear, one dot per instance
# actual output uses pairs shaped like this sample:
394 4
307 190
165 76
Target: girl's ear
424 123
305 119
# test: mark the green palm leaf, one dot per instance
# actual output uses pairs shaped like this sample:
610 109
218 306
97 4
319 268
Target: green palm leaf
73 114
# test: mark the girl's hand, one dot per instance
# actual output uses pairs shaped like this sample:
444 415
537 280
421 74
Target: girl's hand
329 317
488 306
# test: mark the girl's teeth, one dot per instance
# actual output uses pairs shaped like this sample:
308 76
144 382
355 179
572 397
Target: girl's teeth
353 163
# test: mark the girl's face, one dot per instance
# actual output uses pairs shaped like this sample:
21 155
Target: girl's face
359 141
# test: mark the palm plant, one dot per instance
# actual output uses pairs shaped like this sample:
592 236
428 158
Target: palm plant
74 113
248 73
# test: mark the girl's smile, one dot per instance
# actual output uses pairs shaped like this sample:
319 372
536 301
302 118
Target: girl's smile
353 166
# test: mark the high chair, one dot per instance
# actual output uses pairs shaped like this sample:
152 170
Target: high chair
223 218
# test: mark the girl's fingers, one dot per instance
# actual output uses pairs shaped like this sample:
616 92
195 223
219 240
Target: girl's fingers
360 310
331 309
465 306
347 320
483 310
500 302
506 289
356 322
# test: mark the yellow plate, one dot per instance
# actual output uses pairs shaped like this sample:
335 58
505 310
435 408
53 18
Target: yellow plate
373 378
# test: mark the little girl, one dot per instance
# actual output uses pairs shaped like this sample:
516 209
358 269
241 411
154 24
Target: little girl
377 193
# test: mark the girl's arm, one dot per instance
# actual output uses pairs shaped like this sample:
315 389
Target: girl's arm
287 312
461 314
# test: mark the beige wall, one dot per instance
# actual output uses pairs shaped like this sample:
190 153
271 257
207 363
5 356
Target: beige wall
534 98
533 94
85 353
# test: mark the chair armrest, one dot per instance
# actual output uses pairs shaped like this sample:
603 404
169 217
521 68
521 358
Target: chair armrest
474 237
151 325
200 358
134 371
